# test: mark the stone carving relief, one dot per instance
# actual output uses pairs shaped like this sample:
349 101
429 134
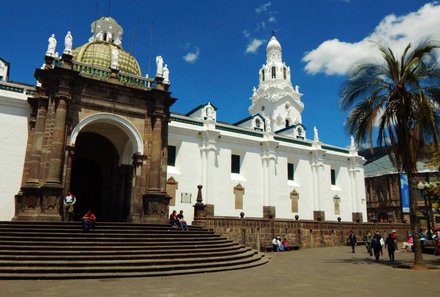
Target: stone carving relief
239 193
294 197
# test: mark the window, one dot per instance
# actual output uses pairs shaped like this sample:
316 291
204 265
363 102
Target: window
284 73
287 123
290 171
274 73
171 155
333 176
235 164
262 74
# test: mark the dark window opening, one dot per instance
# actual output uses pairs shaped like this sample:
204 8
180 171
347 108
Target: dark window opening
235 164
284 73
290 171
287 123
262 74
274 73
333 176
171 155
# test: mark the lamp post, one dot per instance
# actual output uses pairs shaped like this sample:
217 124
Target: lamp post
423 187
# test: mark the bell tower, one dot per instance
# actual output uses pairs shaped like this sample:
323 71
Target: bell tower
275 98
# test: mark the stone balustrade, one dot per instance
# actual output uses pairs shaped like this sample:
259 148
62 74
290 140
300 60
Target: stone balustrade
258 232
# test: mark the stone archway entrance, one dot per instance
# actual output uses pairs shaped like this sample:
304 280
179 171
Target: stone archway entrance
97 179
102 166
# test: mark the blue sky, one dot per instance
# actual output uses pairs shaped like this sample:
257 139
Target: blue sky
215 48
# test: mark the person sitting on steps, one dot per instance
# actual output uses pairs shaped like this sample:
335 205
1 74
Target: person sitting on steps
182 221
88 221
174 221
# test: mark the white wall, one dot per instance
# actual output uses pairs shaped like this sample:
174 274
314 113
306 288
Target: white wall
14 112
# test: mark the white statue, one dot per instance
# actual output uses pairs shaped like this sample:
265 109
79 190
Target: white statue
159 64
117 41
68 40
352 145
166 74
209 111
115 58
99 36
315 134
268 125
52 46
254 91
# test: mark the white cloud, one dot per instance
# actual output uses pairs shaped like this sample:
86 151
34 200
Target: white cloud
272 19
253 46
192 56
334 57
263 7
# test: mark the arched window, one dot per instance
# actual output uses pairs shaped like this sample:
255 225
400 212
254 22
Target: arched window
262 74
257 123
284 73
274 74
287 123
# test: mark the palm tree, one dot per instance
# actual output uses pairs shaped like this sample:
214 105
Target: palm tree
398 100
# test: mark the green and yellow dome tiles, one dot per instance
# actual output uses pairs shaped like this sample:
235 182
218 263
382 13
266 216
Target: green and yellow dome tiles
98 53
107 35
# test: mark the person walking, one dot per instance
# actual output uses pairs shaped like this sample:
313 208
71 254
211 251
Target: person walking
376 246
352 239
390 245
367 239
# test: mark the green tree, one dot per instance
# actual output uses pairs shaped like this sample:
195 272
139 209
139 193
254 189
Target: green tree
397 100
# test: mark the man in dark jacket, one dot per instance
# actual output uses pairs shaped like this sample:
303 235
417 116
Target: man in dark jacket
352 239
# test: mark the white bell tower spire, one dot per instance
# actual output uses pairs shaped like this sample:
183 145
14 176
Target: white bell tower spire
275 98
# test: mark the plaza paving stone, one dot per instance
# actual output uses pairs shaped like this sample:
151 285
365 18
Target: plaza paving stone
314 272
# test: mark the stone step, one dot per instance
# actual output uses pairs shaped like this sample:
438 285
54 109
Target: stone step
98 234
76 264
42 250
103 229
62 246
75 256
150 273
115 250
121 240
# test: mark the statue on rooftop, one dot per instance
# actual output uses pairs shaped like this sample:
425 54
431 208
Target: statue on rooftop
159 64
315 134
115 58
68 40
166 74
52 46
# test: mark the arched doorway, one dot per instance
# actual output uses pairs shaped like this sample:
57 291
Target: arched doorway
98 180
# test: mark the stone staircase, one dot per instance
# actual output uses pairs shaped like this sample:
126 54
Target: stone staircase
62 250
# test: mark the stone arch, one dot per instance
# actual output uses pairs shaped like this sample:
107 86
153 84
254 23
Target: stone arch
135 146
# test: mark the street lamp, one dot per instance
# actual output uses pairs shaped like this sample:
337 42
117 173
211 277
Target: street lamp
423 187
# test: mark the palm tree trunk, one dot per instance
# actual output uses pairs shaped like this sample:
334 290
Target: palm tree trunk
419 263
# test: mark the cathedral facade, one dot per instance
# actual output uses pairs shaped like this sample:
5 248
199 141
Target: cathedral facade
98 128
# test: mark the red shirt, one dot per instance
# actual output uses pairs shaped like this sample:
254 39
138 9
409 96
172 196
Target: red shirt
89 217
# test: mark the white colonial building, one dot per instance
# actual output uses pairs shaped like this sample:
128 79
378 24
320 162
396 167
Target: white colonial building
262 166
14 115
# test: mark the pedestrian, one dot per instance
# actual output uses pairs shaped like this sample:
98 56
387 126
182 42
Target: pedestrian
367 240
381 241
376 247
352 239
390 245
69 204
394 236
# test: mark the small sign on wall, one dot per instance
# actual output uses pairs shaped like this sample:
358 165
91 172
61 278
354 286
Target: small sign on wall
185 197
